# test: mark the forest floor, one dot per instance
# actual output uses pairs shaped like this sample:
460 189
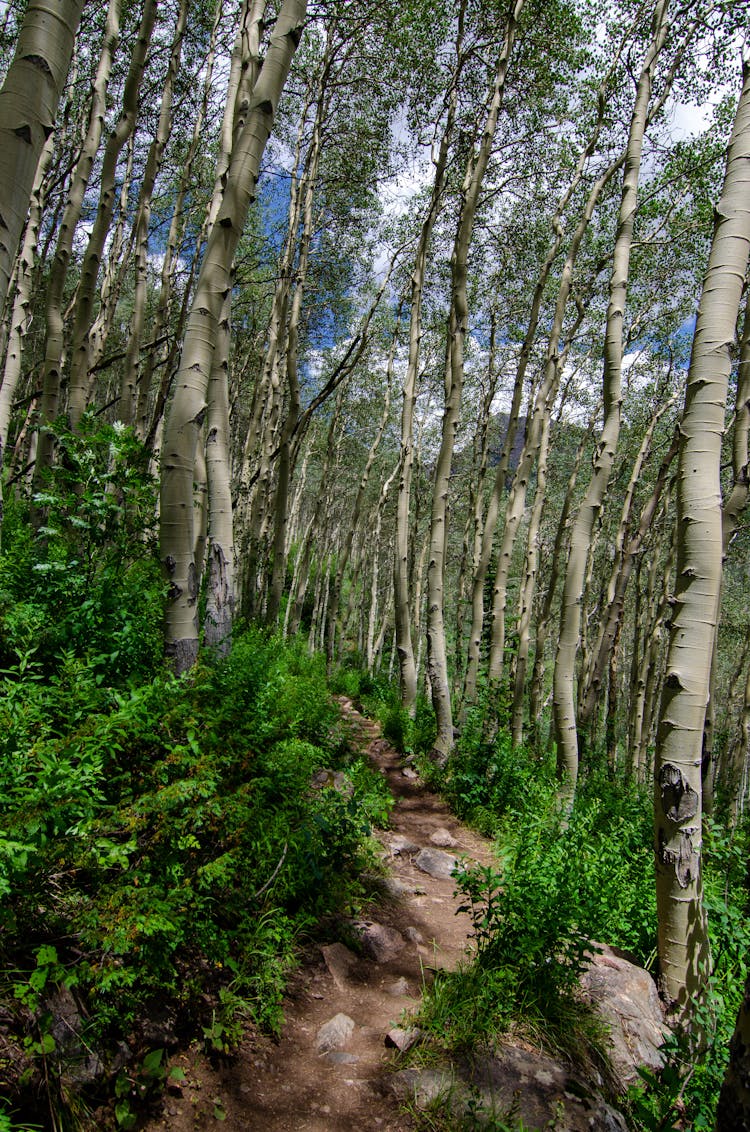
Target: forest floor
291 1085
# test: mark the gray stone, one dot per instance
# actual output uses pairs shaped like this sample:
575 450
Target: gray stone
400 987
414 935
444 839
335 1033
400 1039
401 846
541 1092
513 1084
339 960
407 772
626 999
338 1057
423 1086
80 1065
379 942
435 863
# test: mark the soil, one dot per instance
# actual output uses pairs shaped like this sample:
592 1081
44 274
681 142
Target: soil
288 1085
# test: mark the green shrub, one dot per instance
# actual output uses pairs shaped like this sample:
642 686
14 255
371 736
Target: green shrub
87 583
169 842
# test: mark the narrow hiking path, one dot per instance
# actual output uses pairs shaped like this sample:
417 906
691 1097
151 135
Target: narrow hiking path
335 1080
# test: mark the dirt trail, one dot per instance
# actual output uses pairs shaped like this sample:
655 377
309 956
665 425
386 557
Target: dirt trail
290 1086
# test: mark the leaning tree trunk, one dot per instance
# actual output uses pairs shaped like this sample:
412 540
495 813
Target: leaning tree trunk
682 938
28 106
188 407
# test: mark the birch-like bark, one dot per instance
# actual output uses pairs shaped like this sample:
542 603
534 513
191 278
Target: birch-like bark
345 552
437 660
625 553
402 596
220 596
581 535
188 407
144 429
21 314
556 561
54 339
294 404
118 139
28 108
127 403
682 937
482 562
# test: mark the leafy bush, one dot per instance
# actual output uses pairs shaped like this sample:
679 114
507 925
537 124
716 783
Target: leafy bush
84 579
169 843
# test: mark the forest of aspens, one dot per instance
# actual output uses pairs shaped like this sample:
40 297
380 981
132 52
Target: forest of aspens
391 350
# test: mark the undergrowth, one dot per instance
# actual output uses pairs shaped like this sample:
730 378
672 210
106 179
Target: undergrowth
163 843
562 883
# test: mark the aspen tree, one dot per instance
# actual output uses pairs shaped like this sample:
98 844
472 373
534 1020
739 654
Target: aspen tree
402 605
81 338
610 618
21 313
54 341
454 374
220 597
583 527
514 512
682 939
557 558
28 108
129 386
344 554
188 407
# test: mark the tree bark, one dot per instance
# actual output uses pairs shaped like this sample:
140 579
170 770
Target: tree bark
580 540
682 938
28 107
458 325
188 407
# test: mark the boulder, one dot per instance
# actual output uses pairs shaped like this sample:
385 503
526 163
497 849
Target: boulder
513 1084
339 960
444 839
401 846
435 863
335 1033
626 999
379 943
401 1039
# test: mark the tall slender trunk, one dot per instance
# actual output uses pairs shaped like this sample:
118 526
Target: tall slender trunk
556 562
128 393
21 314
118 139
54 341
402 549
28 108
682 937
580 539
457 329
345 552
188 407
